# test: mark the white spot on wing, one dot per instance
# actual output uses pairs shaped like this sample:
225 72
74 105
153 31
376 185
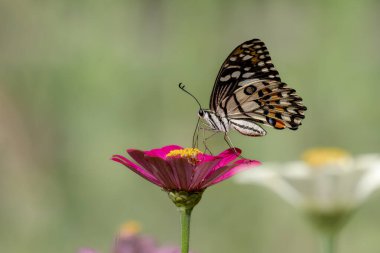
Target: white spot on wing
233 67
247 57
235 74
246 45
225 78
248 74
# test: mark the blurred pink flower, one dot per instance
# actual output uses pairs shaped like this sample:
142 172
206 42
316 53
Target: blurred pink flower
85 250
174 168
129 240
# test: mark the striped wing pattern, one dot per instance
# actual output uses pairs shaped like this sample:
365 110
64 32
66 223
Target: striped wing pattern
247 127
248 61
248 89
268 102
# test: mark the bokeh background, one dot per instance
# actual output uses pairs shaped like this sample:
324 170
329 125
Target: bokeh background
82 80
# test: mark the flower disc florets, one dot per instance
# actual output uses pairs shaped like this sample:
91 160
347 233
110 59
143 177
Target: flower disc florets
191 154
321 157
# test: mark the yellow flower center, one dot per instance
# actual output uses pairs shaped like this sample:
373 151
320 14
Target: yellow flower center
129 228
326 156
189 153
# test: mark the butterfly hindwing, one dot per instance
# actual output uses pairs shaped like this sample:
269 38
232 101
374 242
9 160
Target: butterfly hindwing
248 61
247 127
266 101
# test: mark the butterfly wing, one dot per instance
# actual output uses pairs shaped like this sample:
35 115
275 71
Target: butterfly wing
247 127
249 61
268 102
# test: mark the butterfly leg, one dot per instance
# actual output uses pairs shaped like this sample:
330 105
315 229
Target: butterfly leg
228 140
205 141
205 128
196 135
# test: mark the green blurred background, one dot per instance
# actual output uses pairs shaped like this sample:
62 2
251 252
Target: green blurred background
82 80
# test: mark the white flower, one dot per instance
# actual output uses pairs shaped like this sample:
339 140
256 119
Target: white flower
327 186
326 180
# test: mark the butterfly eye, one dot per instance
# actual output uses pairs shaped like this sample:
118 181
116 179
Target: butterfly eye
201 113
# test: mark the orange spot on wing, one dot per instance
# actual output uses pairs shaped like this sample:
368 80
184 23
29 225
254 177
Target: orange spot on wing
254 59
238 51
279 125
279 109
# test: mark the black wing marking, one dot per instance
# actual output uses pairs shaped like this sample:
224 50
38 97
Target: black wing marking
268 102
248 61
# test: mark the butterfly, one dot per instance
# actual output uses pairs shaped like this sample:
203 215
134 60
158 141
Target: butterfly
248 91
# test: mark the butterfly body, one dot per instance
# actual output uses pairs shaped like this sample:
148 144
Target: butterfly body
214 121
221 123
248 90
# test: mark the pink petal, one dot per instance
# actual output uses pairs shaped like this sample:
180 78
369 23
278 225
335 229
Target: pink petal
162 170
224 158
162 152
229 171
205 157
157 167
135 168
228 156
182 171
139 157
201 172
216 174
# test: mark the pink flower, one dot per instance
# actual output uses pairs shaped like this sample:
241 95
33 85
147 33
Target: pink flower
185 173
86 250
130 240
174 168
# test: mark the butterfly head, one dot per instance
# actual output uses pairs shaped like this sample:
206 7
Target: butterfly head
201 113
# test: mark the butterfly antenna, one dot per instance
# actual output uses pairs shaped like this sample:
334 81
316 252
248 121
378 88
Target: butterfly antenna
182 87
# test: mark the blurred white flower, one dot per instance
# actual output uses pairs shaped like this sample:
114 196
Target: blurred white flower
327 179
327 186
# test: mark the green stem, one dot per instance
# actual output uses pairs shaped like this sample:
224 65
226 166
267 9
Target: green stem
185 228
328 243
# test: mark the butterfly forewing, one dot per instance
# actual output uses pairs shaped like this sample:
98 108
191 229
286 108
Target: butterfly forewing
249 61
